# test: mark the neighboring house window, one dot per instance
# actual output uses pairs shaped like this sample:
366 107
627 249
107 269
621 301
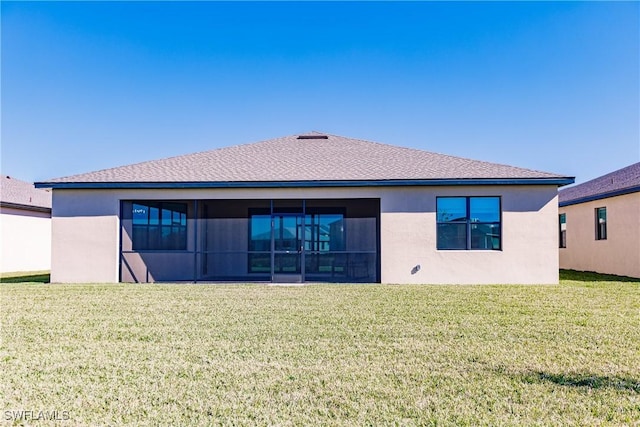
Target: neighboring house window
468 223
601 223
159 226
563 230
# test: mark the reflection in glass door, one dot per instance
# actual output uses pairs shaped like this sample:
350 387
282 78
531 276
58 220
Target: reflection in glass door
260 244
325 257
288 247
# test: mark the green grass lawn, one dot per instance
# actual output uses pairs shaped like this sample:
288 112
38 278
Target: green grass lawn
323 354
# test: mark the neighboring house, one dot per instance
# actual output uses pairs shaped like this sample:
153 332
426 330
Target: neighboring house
307 208
25 226
599 224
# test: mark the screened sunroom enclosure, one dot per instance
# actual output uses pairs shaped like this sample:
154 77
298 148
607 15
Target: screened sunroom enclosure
312 240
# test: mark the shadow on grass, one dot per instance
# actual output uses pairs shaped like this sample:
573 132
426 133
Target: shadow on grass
582 380
590 276
34 278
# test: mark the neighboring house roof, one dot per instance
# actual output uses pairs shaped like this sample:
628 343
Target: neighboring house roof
313 159
23 195
622 181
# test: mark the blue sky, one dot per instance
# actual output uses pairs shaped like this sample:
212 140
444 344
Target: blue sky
543 85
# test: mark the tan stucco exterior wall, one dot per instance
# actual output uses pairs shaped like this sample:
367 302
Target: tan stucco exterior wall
85 236
86 232
529 243
26 240
619 253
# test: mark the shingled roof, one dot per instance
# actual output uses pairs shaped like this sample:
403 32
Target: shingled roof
302 159
15 193
622 181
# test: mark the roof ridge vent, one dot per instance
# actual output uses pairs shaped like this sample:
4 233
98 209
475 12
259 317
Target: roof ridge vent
313 136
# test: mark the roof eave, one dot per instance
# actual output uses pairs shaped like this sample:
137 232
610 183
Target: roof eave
24 207
600 196
558 181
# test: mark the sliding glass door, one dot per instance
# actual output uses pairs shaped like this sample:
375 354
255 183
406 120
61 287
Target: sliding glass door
294 247
288 247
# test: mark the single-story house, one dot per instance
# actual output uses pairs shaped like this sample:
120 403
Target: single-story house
307 208
599 224
25 224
